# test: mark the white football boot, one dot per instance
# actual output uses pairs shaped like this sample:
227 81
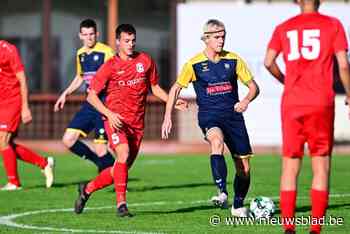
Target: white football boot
49 171
220 200
10 187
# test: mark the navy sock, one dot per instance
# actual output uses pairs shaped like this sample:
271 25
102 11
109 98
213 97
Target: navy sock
219 171
241 186
83 151
106 161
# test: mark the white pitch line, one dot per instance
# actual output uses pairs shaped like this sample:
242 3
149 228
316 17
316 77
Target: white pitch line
8 219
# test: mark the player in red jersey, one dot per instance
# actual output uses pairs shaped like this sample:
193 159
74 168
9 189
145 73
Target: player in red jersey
14 107
126 78
308 42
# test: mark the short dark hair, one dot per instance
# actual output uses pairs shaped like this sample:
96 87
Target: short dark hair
126 28
88 23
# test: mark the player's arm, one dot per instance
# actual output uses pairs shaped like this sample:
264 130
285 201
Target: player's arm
271 65
26 114
98 83
253 92
344 73
167 122
160 93
73 86
114 119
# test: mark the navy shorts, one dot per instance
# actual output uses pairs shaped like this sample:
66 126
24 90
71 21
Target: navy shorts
86 120
233 128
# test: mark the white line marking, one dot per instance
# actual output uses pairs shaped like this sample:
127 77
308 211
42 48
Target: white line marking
8 219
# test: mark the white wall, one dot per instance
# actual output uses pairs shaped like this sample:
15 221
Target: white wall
249 27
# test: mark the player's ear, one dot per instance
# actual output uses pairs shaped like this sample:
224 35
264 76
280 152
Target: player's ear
97 34
80 36
117 42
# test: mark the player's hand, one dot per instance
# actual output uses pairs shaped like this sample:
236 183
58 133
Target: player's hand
60 103
241 106
181 104
166 127
115 120
26 115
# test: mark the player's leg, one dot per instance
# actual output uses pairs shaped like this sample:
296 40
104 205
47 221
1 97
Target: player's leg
218 166
320 129
9 161
237 141
134 146
100 143
29 156
9 120
293 150
81 125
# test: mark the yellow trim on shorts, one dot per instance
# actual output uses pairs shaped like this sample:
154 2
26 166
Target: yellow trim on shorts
99 141
243 156
77 130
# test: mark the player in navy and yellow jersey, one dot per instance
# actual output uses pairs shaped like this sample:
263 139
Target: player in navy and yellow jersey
214 74
89 59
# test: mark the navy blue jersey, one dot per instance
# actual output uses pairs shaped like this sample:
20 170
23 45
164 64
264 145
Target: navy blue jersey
215 83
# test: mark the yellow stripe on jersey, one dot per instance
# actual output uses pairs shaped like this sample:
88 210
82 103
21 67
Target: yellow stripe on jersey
188 75
99 47
242 70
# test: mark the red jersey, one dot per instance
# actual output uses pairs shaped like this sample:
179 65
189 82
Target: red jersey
10 65
309 42
127 84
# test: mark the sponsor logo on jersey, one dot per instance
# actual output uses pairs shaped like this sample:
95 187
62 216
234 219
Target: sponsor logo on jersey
120 72
131 82
3 126
205 67
219 88
87 76
140 68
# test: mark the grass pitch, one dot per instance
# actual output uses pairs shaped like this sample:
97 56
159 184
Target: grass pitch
167 194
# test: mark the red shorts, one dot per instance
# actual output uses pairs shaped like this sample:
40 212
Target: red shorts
10 115
125 135
311 125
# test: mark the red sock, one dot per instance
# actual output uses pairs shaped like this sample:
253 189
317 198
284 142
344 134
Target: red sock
319 203
120 181
29 156
10 165
103 180
287 206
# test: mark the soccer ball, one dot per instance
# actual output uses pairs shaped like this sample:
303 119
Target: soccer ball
262 207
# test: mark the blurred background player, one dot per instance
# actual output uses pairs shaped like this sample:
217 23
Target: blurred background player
308 42
214 73
89 59
128 76
14 107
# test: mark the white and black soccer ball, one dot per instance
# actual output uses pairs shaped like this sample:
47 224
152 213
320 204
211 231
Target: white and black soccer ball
262 207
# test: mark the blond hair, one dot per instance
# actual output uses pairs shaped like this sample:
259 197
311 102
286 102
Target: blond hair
212 26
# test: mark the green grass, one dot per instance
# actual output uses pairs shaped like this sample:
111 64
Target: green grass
182 186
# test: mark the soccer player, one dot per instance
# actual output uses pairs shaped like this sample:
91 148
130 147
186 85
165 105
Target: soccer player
214 73
89 59
14 107
308 42
127 78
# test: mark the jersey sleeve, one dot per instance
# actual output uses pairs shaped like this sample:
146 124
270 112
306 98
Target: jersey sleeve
275 41
15 61
243 72
79 70
340 42
186 76
153 73
101 78
109 54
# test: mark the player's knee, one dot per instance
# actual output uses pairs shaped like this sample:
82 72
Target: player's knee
217 144
243 167
4 141
101 150
68 140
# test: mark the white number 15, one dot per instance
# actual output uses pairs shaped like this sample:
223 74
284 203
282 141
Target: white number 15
310 44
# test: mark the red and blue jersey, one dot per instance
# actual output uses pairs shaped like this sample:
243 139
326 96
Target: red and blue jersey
215 83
